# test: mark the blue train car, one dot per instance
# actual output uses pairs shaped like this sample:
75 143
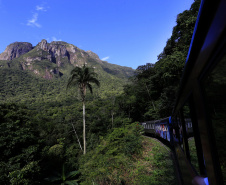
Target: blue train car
159 128
149 127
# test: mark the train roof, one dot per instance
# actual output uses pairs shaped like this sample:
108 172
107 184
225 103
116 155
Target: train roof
160 121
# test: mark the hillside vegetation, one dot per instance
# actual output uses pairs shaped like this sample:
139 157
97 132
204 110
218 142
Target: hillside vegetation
40 74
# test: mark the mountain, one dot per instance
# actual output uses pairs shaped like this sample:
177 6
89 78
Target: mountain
15 50
55 59
40 73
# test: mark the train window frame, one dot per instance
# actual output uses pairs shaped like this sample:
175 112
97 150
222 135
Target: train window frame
184 133
208 39
184 144
199 148
214 61
216 54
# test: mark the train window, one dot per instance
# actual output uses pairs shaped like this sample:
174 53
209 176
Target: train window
190 137
177 134
215 92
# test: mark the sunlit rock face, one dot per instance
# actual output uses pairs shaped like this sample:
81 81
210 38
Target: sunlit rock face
54 59
61 52
15 50
58 52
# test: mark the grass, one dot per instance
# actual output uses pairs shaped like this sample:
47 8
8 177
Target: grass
152 166
193 153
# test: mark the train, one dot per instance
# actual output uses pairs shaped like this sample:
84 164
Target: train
165 129
196 128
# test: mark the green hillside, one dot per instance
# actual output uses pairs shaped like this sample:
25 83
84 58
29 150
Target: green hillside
41 74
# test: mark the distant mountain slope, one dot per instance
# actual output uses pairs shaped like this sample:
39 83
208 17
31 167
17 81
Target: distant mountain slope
54 59
40 73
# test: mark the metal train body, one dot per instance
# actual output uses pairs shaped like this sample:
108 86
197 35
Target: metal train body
158 128
165 129
197 127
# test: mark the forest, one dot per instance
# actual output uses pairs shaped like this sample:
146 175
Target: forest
41 123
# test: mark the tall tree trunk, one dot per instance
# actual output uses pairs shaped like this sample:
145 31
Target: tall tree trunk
84 128
112 118
77 136
149 96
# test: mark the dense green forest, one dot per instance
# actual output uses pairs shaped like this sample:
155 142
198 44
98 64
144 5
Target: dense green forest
41 122
153 90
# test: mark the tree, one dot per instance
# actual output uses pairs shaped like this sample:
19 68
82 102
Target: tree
19 145
82 77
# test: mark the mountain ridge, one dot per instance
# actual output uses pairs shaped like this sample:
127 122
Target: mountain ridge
55 59
40 73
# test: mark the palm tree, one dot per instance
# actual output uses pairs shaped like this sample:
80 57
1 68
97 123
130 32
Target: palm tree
82 77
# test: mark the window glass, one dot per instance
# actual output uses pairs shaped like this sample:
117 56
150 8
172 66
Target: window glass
190 137
177 136
215 89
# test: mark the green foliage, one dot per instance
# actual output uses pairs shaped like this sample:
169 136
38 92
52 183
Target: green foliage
153 90
119 71
24 176
64 177
19 146
163 171
171 61
56 153
193 153
83 78
108 162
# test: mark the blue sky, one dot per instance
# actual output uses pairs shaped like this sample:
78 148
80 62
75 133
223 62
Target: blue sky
124 32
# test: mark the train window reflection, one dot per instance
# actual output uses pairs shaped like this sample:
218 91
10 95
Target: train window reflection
215 90
177 131
190 137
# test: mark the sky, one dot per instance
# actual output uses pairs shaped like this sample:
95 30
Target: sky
123 32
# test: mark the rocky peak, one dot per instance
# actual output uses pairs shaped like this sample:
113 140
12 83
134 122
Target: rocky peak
59 42
50 60
55 48
43 45
15 50
93 55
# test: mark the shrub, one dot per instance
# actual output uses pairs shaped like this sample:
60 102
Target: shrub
110 162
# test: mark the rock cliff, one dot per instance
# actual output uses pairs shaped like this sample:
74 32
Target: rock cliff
15 50
55 59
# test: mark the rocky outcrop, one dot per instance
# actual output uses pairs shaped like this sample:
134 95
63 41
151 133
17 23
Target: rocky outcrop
15 50
43 45
50 73
94 56
57 52
57 49
51 60
62 52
